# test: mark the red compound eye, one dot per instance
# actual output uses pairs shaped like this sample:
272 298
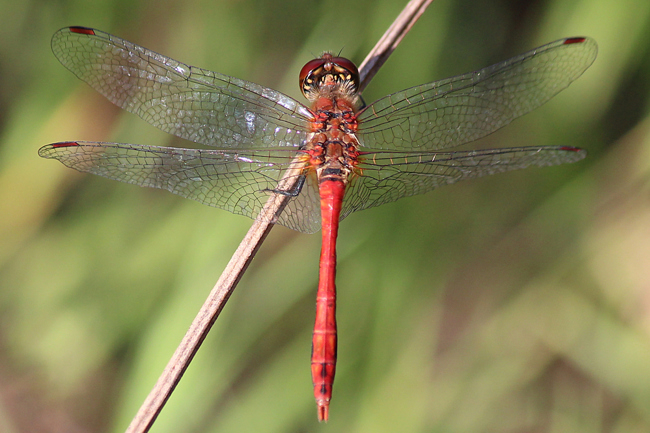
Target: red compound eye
317 68
309 68
348 66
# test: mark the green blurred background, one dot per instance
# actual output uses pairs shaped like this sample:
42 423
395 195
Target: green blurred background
515 303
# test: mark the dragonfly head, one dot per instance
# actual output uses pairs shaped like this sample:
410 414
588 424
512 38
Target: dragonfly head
327 73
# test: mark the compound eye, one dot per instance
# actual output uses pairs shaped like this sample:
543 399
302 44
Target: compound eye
346 64
313 72
305 79
350 67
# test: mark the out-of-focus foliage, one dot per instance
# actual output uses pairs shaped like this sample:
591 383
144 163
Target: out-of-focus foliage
519 302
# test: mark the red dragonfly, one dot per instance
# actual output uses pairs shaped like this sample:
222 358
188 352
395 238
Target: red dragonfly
351 156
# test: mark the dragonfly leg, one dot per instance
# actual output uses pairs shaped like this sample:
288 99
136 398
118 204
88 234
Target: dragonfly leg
293 192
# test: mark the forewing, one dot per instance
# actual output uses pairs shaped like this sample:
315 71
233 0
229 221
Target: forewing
388 176
238 181
462 109
192 103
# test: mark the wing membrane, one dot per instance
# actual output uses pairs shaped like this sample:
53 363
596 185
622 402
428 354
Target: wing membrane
192 103
388 176
458 110
237 181
258 129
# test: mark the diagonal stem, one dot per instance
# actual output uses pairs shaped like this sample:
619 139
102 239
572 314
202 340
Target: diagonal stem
390 40
215 302
251 243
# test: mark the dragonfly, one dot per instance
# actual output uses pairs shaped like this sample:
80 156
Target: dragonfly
349 156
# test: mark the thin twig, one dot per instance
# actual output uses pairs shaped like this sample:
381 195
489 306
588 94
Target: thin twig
390 40
215 302
244 254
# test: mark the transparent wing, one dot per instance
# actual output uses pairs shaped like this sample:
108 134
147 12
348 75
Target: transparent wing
237 181
258 128
192 103
462 109
388 176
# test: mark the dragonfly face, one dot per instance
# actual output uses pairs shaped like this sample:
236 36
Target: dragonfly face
350 158
328 71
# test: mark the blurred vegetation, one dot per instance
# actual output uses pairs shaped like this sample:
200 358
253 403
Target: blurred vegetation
515 303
